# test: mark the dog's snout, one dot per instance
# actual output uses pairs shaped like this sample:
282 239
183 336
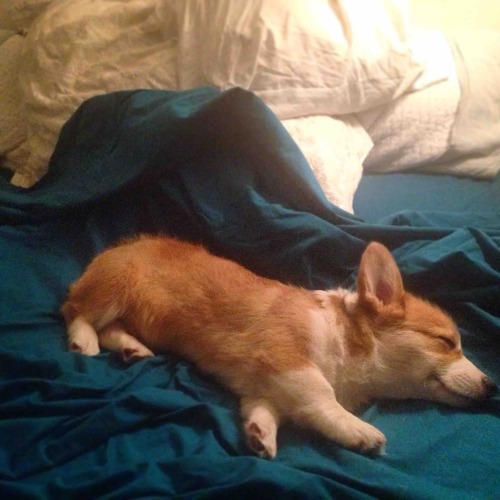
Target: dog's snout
490 387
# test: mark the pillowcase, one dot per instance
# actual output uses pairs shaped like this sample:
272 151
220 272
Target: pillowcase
335 149
415 129
76 50
452 127
18 15
13 122
301 56
475 139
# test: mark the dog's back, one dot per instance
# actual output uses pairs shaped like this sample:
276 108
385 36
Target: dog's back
177 297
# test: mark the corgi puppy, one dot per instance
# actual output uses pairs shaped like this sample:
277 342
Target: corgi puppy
309 356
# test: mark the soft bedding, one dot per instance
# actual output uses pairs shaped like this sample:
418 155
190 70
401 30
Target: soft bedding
360 67
306 59
354 84
475 138
451 127
12 124
221 169
379 196
414 130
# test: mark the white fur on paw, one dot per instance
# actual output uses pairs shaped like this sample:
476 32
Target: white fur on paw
366 439
88 348
260 440
132 354
82 337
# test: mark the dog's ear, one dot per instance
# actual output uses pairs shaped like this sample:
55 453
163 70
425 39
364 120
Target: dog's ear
379 280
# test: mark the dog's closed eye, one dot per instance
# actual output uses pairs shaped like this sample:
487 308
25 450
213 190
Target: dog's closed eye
448 342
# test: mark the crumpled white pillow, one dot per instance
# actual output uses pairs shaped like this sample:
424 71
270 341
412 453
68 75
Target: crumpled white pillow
13 120
18 15
301 56
415 129
335 148
76 50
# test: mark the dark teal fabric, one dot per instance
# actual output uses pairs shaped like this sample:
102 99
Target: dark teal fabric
220 169
380 195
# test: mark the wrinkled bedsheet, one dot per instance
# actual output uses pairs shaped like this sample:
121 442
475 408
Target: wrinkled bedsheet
217 168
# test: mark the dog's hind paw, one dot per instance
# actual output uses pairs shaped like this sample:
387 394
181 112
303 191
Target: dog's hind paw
261 426
261 441
130 355
87 348
82 337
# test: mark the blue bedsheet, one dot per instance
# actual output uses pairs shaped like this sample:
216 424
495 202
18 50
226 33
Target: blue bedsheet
216 168
378 196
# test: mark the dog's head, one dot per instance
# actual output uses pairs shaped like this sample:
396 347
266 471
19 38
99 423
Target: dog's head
418 350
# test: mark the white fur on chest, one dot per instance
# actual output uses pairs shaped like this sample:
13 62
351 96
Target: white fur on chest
327 346
347 375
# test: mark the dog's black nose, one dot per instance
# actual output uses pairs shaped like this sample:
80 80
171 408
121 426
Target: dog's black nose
490 387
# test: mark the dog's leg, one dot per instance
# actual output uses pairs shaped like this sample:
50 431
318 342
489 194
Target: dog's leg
82 337
309 400
115 338
260 422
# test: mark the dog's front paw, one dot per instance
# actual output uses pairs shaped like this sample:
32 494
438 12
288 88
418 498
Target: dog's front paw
366 439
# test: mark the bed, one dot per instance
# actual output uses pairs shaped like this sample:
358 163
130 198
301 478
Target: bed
293 189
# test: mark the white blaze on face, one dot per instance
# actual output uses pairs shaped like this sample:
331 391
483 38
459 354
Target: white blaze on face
464 379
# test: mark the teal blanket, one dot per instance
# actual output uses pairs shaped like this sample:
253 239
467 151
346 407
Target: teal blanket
217 168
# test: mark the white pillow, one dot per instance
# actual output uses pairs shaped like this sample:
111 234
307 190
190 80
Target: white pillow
76 50
301 56
415 129
19 14
13 121
335 150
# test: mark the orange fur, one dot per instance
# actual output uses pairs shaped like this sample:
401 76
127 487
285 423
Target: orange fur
310 356
144 281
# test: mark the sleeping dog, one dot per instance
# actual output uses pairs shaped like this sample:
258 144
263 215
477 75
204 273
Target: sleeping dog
309 356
